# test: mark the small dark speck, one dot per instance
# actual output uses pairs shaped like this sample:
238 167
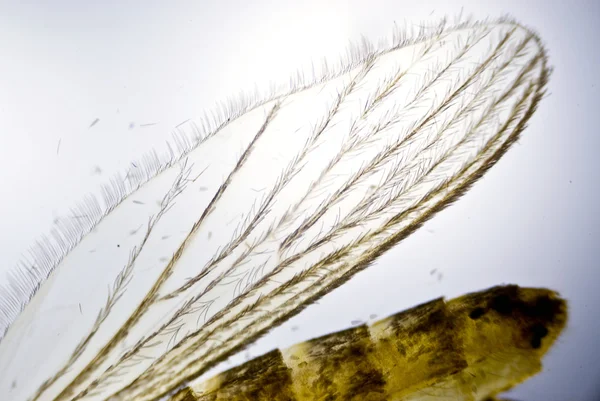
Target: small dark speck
80 311
94 123
13 384
432 272
147 124
295 328
373 316
92 251
97 170
203 188
356 322
137 202
209 234
163 259
431 231
164 237
118 246
131 125
570 181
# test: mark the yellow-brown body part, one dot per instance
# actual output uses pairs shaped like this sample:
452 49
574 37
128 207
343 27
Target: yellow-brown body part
469 348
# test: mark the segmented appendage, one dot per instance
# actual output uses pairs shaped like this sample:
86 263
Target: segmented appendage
470 348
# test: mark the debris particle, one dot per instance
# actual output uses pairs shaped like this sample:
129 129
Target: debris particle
203 189
137 202
180 124
372 316
356 322
165 236
295 328
147 124
131 125
80 311
94 123
97 170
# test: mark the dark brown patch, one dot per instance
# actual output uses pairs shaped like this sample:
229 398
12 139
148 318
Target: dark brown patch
536 314
503 304
342 369
263 378
476 313
538 331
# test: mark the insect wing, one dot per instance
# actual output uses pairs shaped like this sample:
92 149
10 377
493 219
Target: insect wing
189 257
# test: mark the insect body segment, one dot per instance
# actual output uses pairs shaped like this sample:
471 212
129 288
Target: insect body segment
469 348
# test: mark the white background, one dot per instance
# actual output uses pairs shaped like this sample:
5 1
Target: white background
532 220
